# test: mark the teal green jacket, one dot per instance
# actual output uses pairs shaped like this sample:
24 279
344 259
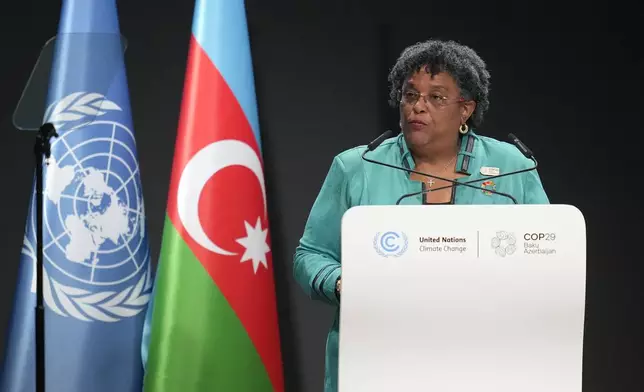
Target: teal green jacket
352 182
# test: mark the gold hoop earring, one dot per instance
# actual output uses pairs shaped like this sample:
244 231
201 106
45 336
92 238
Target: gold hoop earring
463 129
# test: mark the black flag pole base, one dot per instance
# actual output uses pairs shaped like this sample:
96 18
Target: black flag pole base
42 152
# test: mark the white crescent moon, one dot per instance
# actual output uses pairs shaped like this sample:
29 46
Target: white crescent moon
201 167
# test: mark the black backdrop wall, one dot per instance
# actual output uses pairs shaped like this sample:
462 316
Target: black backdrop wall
566 81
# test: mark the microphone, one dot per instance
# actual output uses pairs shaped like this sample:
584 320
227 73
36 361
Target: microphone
378 141
520 146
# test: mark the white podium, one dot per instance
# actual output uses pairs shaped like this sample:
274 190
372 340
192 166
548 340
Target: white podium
462 299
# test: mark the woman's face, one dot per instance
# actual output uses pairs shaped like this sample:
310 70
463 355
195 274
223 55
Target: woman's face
431 108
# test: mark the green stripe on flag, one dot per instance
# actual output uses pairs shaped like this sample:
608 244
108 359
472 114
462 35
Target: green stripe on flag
197 342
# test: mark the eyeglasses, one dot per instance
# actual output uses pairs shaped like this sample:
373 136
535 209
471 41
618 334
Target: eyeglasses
436 100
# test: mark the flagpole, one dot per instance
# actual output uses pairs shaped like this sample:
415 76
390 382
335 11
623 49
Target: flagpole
42 149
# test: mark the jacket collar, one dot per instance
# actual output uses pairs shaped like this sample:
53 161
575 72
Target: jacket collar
465 154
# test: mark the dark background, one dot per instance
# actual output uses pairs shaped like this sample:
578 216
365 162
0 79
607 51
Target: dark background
566 78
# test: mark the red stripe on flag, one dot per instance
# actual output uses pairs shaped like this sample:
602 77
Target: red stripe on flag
230 199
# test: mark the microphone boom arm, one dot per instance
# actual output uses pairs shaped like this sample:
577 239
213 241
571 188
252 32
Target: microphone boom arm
522 147
473 181
454 183
492 177
514 200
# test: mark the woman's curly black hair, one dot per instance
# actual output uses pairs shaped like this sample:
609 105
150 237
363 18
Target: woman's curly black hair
460 61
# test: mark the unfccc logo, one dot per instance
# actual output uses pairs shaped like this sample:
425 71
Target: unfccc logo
390 243
504 243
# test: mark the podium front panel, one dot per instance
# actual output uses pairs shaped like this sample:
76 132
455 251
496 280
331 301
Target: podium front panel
462 299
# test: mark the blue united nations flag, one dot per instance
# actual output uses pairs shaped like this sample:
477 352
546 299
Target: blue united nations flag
96 280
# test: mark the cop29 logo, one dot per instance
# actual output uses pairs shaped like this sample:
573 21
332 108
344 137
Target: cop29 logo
504 243
390 243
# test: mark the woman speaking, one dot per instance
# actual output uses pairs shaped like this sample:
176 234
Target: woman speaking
441 90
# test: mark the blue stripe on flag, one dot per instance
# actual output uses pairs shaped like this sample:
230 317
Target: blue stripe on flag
220 27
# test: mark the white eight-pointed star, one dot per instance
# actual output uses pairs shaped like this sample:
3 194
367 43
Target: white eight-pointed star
255 244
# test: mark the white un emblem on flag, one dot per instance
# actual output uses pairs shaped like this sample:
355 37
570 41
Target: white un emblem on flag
96 253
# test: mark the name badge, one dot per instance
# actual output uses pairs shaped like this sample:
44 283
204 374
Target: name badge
490 171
